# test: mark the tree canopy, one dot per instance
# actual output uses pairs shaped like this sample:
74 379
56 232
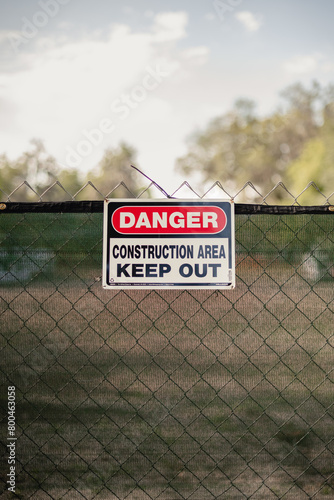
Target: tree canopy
35 171
293 145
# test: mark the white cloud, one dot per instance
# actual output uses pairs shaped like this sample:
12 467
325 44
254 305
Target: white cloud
196 55
300 65
5 34
249 20
307 64
58 87
170 26
328 67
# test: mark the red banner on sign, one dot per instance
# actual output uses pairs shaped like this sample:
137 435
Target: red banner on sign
169 220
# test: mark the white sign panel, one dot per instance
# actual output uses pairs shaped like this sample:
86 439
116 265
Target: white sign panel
168 244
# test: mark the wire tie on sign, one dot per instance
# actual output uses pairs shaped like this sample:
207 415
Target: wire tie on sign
3 206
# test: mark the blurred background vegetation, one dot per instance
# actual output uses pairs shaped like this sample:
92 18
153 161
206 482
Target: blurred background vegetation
293 145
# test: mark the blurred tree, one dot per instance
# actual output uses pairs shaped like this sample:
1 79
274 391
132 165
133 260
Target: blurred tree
316 161
40 170
71 179
7 173
113 169
239 146
35 167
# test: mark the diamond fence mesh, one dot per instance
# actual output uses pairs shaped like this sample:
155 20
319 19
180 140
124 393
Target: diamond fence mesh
168 394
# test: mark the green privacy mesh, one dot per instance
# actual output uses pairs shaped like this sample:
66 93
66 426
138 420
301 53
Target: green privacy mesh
168 394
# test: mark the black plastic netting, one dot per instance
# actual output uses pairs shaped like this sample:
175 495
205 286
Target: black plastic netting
169 394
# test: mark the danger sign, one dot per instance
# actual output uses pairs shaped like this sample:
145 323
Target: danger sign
168 243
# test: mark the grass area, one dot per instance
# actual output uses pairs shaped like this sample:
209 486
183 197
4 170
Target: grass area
172 394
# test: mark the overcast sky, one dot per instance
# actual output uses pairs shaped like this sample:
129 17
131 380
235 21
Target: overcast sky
83 75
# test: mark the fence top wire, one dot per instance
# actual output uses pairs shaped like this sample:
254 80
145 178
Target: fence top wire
63 200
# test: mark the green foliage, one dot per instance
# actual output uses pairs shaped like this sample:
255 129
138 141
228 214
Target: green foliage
35 167
315 163
308 166
115 169
35 170
293 143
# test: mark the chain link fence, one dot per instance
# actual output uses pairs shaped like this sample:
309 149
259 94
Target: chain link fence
168 394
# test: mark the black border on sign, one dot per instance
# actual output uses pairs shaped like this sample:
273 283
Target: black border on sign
112 205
